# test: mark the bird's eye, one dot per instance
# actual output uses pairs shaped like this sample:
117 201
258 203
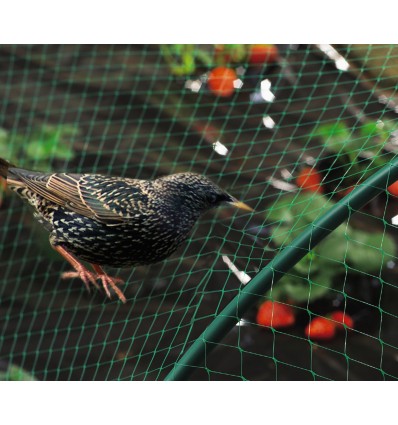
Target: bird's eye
212 198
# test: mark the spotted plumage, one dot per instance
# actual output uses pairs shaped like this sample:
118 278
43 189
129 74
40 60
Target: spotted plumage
113 221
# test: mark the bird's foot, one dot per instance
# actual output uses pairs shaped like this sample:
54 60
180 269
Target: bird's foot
111 281
80 271
86 276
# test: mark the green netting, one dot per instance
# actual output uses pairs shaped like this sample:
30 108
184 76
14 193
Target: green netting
315 116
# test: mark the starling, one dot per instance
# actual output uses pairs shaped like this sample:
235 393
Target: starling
115 221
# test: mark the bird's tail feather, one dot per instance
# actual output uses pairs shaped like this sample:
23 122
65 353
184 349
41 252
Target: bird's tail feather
4 166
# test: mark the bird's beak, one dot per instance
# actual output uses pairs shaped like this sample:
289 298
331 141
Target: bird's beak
240 205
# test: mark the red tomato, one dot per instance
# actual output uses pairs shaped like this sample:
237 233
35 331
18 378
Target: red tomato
262 53
309 179
275 314
221 81
320 328
342 319
393 189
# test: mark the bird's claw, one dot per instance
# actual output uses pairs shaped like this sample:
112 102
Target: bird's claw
112 281
86 276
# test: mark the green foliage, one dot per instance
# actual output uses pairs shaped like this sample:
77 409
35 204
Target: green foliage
362 150
15 373
45 144
346 250
183 59
6 148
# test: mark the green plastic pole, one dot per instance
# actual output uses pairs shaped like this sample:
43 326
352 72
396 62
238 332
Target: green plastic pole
281 264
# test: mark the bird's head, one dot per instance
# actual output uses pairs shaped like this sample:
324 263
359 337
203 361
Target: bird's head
198 192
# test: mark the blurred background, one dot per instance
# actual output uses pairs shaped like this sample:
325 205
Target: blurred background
288 129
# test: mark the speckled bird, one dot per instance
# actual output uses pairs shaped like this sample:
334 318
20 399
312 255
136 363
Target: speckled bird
115 221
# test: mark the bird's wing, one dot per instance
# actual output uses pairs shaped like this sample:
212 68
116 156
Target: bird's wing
107 199
114 199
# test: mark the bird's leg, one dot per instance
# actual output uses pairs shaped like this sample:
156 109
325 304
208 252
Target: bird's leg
81 272
111 281
88 277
